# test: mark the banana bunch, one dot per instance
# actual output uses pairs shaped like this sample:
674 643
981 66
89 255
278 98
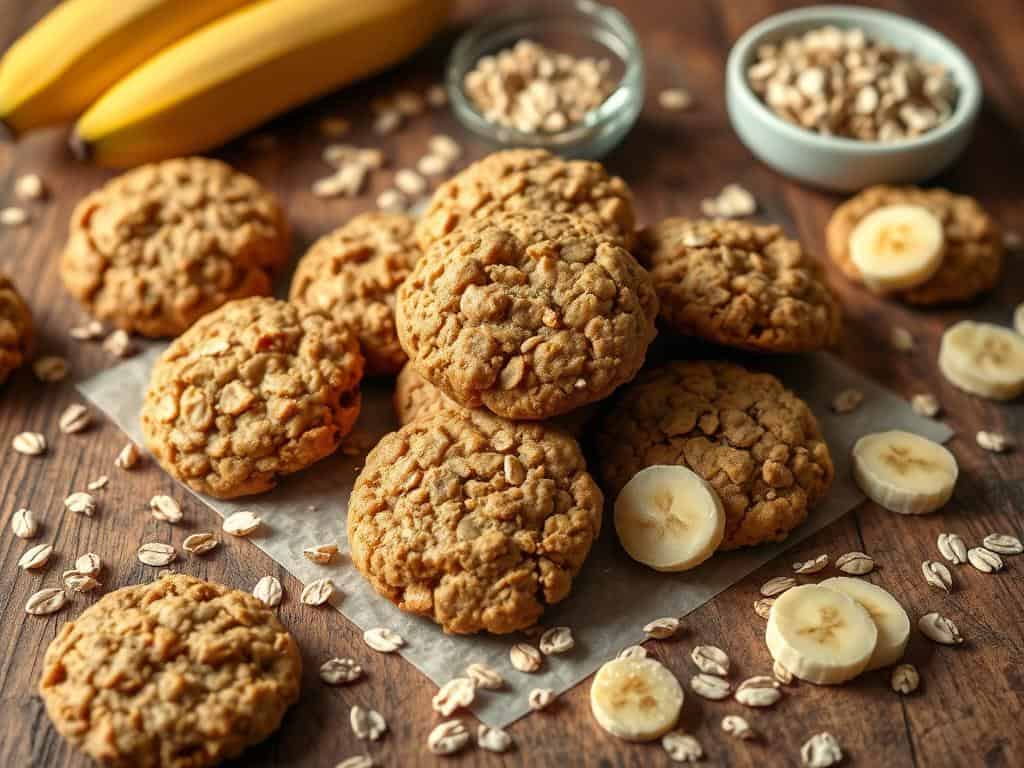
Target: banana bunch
161 78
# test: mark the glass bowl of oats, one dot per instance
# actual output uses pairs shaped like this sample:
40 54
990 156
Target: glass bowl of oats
565 75
844 97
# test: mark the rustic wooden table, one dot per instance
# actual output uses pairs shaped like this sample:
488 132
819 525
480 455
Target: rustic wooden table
968 710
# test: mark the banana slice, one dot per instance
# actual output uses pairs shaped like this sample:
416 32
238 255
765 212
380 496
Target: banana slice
983 359
669 518
820 635
890 619
897 247
636 699
904 472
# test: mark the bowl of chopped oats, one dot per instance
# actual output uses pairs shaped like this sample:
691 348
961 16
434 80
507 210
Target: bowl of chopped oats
563 76
844 97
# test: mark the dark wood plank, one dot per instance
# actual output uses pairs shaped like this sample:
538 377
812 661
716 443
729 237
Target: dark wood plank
968 711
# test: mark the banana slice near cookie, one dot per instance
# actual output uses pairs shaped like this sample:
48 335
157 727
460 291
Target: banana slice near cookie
636 699
983 359
896 247
891 620
821 635
669 518
904 472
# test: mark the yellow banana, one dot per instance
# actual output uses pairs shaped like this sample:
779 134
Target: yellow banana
246 67
82 47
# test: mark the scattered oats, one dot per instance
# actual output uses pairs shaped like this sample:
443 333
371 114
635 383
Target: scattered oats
356 761
317 592
165 509
91 331
663 628
444 146
387 122
268 591
758 691
262 142
525 657
633 652
75 418
778 585
98 484
366 723
710 659
340 671
35 557
939 629
901 339
493 739
448 738
541 698
436 96
682 747
763 607
710 687
994 441
675 99
24 524
241 523
937 575
1012 241
13 216
334 127
29 443
1003 543
737 726
855 563
556 640
46 601
30 187
847 401
119 344
410 183
484 676
199 543
392 201
383 640
816 565
781 674
732 202
458 692
50 369
81 503
322 554
984 560
433 165
409 103
821 751
89 564
156 554
952 547
925 404
128 458
905 679
76 581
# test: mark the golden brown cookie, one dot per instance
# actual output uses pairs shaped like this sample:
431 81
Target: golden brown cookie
15 328
739 284
473 521
973 256
353 273
529 314
157 248
529 179
252 391
178 673
753 440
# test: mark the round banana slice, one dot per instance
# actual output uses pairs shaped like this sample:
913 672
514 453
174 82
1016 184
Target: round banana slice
636 699
904 472
669 518
983 359
820 635
890 619
897 247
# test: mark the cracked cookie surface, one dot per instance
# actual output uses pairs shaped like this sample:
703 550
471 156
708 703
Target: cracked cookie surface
529 179
973 255
753 440
157 248
529 314
352 274
15 328
178 673
252 391
473 521
739 284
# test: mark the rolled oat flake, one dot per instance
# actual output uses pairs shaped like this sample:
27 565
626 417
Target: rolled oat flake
367 724
156 554
340 671
35 557
1003 543
199 543
525 657
951 546
457 692
778 585
710 687
317 592
984 560
816 565
710 659
821 751
89 564
448 738
383 640
937 575
46 601
905 679
241 523
682 747
662 629
81 503
165 509
24 524
855 563
738 727
29 443
540 698
763 607
939 629
76 581
493 739
268 591
633 652
484 676
556 640
758 691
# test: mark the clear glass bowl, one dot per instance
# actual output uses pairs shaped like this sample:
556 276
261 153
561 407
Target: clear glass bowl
577 27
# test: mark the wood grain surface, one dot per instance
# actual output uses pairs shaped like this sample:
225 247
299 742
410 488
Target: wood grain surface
968 711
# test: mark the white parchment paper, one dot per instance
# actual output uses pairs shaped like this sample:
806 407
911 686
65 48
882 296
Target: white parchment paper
612 598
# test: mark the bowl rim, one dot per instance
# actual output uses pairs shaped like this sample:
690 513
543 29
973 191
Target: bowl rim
968 99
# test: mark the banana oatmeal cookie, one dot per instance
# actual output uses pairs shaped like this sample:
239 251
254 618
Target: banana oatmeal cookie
739 284
530 314
973 255
473 521
178 673
529 179
15 328
353 273
252 391
753 440
157 248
